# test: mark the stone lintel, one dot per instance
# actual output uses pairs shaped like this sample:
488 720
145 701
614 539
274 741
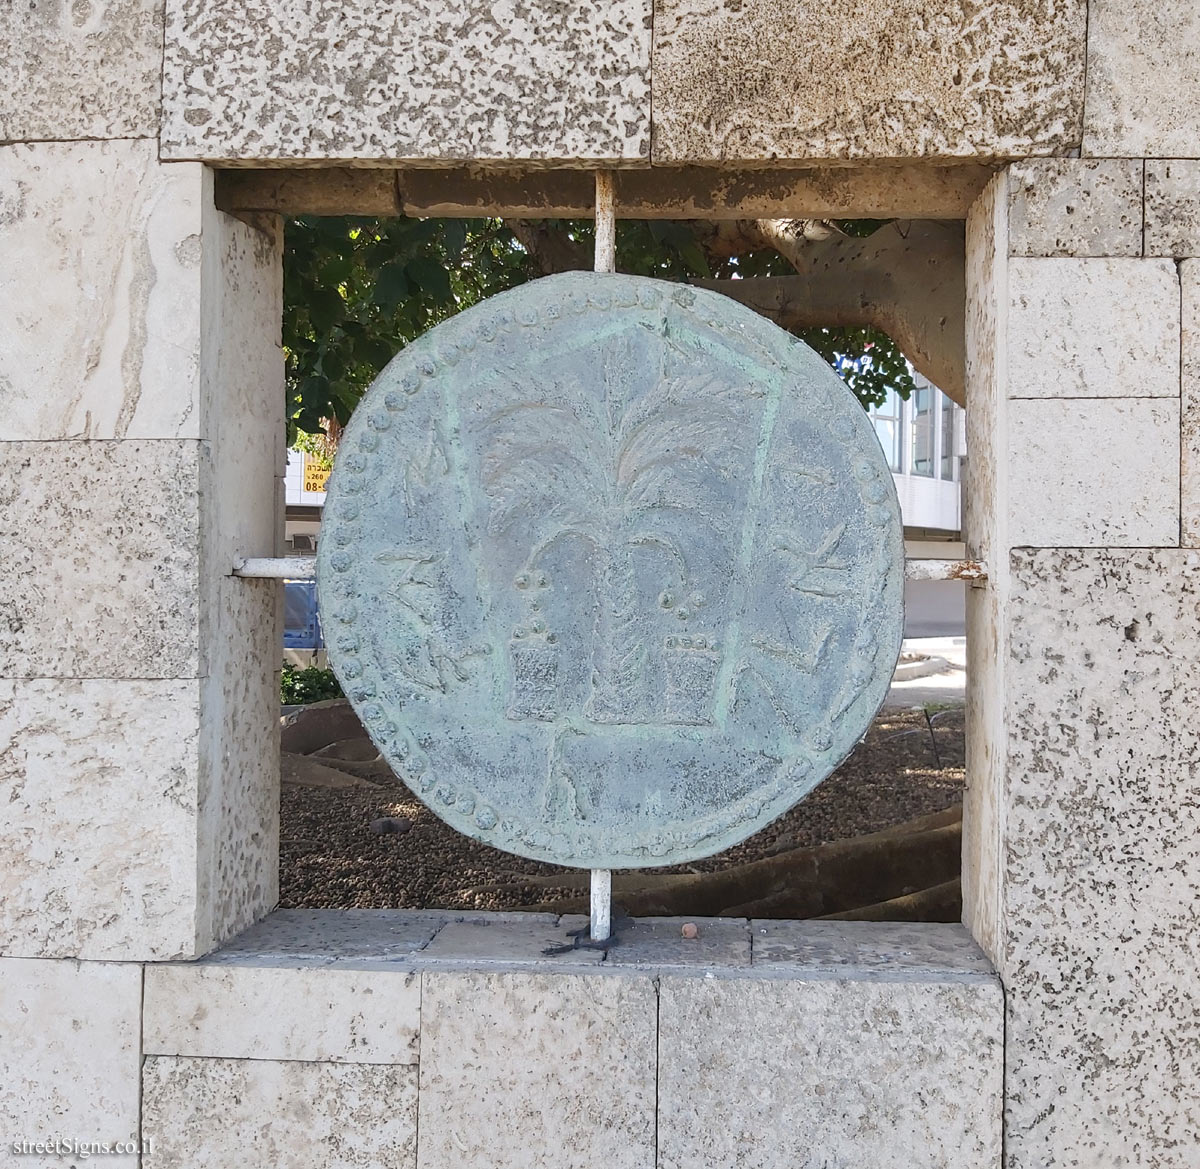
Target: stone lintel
869 191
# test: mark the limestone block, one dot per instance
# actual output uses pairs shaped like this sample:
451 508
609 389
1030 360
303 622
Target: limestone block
97 838
237 798
657 943
80 71
1075 207
475 944
1189 406
1172 208
267 1114
240 621
108 347
1102 859
320 1015
345 937
757 80
529 1071
99 542
1143 80
844 1071
887 949
70 1064
243 396
1094 472
1093 328
409 80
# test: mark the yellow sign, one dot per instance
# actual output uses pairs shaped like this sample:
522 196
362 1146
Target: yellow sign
315 475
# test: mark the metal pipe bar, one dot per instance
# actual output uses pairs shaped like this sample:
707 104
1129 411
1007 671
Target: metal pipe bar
277 567
606 222
305 568
601 901
600 922
972 571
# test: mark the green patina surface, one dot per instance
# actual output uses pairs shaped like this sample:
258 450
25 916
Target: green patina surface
612 570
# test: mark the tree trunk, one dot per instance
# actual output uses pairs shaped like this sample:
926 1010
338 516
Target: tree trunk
881 876
907 280
617 651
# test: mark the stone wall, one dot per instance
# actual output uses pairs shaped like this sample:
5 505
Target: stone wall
141 450
364 1038
1083 853
632 82
141 445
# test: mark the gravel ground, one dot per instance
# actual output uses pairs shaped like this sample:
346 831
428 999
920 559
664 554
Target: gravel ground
329 857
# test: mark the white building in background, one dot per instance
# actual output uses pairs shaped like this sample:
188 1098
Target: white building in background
924 441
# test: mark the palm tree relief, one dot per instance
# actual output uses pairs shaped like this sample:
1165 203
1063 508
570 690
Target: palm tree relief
605 489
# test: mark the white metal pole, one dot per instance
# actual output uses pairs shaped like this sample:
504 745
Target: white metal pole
601 924
305 568
606 261
606 222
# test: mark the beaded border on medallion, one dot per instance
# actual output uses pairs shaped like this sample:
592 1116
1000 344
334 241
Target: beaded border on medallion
402 746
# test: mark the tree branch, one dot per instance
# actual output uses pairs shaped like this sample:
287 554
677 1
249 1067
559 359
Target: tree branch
550 248
908 280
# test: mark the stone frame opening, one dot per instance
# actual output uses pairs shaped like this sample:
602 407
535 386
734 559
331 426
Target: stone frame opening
685 193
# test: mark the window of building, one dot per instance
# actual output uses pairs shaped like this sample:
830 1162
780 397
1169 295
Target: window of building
949 459
886 418
921 414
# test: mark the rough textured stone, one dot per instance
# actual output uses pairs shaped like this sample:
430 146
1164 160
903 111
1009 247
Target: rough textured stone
1102 860
98 851
117 560
70 1064
321 1015
1080 851
413 80
868 949
1172 208
1076 207
114 238
845 1072
1189 406
240 621
1093 329
99 541
657 943
611 570
80 70
985 522
264 1114
1094 473
758 80
322 936
1143 80
237 814
522 1071
476 944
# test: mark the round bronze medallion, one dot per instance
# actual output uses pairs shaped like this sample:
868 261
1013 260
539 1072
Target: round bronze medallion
611 570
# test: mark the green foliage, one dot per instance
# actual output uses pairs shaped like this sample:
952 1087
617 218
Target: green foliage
298 687
356 291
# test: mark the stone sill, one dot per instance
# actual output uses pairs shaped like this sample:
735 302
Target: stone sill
414 940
